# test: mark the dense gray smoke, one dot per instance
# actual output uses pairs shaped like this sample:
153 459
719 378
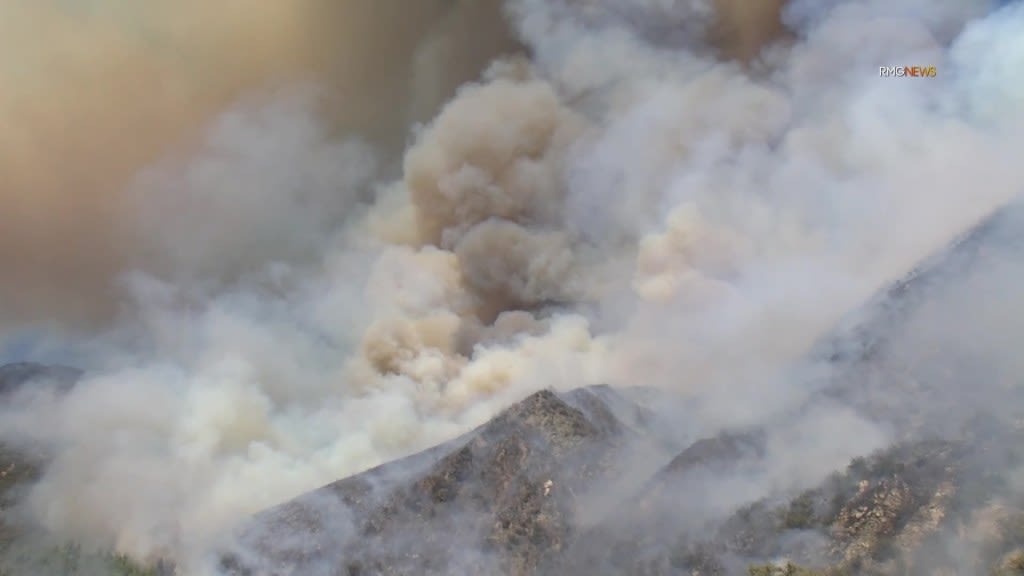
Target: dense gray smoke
682 194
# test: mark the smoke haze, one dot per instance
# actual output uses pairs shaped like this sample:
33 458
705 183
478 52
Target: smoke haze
684 194
95 90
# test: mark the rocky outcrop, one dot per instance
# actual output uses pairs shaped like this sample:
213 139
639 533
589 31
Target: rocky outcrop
501 499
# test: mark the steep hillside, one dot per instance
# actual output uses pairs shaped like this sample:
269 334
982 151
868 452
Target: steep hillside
502 499
594 482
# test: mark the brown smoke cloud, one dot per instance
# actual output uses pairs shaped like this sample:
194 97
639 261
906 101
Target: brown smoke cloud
94 91
742 29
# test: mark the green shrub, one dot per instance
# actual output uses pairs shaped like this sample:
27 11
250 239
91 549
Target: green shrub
800 514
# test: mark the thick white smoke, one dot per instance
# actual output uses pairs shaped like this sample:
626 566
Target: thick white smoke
629 207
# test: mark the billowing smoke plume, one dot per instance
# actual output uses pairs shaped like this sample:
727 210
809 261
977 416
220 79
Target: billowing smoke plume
94 91
680 194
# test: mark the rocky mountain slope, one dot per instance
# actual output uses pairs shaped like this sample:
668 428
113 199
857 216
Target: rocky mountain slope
502 499
609 481
517 497
554 484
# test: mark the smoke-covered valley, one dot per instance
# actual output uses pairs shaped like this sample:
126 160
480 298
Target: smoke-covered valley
289 244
